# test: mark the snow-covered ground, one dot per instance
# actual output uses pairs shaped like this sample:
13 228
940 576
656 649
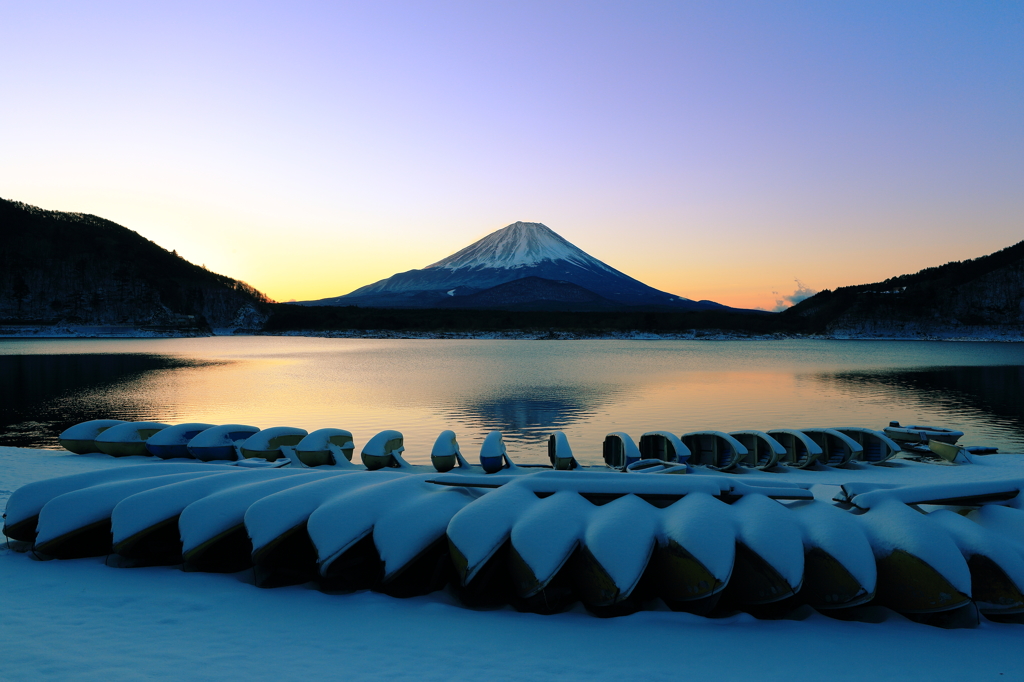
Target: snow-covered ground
83 620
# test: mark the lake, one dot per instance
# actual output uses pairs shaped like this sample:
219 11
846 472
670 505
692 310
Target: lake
526 389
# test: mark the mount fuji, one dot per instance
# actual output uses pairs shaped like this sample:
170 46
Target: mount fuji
478 275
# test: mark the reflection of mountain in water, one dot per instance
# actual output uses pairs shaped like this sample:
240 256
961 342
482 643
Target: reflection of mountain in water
43 393
997 393
530 413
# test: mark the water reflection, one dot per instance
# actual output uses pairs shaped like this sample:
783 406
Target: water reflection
982 401
525 389
529 414
44 394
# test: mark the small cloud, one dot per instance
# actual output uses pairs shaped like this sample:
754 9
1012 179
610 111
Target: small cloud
802 292
291 300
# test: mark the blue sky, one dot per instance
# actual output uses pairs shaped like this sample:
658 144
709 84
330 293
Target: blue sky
715 150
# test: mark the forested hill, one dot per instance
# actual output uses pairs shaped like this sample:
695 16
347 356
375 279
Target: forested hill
73 268
962 296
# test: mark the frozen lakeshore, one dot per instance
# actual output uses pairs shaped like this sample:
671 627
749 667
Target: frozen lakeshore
80 619
66 332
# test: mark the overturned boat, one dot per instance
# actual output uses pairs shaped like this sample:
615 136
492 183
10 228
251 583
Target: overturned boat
708 522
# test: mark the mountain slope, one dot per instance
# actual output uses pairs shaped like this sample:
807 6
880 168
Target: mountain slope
982 292
518 251
535 293
73 268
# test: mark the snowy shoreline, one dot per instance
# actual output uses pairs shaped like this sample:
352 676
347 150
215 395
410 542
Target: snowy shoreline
83 620
86 332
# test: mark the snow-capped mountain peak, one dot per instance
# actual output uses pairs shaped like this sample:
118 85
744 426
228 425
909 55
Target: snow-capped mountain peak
520 251
515 246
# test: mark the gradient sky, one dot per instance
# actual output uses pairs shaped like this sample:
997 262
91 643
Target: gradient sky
713 150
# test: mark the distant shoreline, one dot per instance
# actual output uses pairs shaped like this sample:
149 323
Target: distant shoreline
103 332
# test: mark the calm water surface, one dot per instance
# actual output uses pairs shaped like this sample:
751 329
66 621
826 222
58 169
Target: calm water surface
526 389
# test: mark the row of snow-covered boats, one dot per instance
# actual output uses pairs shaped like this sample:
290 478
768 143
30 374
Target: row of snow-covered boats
938 543
331 446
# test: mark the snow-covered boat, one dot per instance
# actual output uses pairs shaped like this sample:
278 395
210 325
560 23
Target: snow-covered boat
172 442
268 443
620 451
801 450
714 449
664 446
876 447
763 451
913 435
446 454
144 526
127 439
836 447
80 438
77 523
384 450
223 442
328 446
543 537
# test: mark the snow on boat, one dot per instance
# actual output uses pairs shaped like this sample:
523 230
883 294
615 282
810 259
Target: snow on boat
77 524
839 564
876 447
127 439
936 541
664 446
542 541
144 526
560 454
446 454
769 563
763 451
477 538
614 552
620 451
325 447
920 568
25 503
220 442
949 452
282 550
80 438
714 449
836 447
493 455
801 450
912 435
388 536
172 442
267 444
212 528
695 551
996 567
384 450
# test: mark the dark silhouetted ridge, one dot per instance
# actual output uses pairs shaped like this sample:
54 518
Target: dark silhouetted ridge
74 268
